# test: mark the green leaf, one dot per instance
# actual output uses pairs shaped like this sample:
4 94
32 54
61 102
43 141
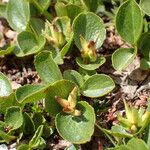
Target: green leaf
119 131
5 86
67 47
129 21
34 142
145 6
8 101
7 51
14 117
38 119
28 126
144 45
91 66
60 88
79 129
30 93
147 136
91 27
97 86
145 64
44 3
69 10
37 25
137 144
29 44
47 68
3 10
4 137
23 147
122 57
18 14
47 131
92 6
73 76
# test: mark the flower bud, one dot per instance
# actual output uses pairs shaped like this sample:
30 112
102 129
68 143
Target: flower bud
55 37
88 51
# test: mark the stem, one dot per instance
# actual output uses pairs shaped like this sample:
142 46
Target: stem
40 8
109 137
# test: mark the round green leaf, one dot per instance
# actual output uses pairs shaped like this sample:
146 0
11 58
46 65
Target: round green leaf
97 85
91 27
144 45
137 144
14 117
145 6
18 14
29 43
60 88
30 93
93 65
129 21
122 57
73 76
5 86
77 130
47 68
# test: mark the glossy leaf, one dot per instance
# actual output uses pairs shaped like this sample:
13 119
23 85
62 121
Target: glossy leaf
129 21
91 66
145 6
18 14
14 117
5 86
30 93
60 88
29 44
97 86
77 129
47 68
73 76
91 27
122 57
